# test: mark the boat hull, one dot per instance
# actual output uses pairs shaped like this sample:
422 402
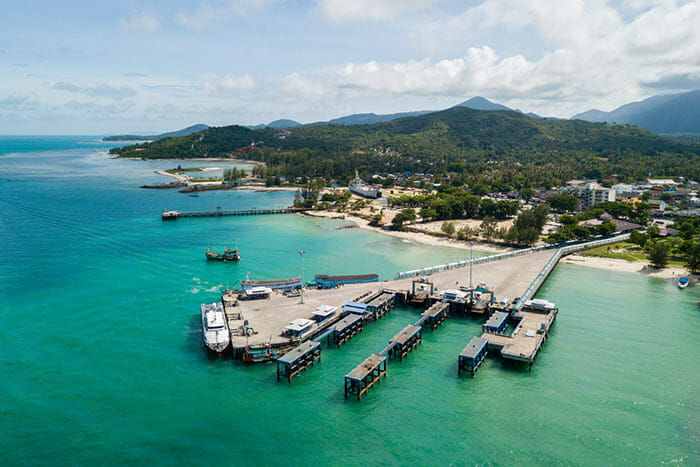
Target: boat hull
219 339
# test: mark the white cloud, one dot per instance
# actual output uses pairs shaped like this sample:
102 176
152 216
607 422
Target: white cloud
592 57
297 87
351 10
143 22
230 85
213 12
100 90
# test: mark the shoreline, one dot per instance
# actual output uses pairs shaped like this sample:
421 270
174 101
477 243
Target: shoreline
203 159
416 237
621 265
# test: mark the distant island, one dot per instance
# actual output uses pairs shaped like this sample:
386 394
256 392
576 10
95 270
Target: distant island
183 132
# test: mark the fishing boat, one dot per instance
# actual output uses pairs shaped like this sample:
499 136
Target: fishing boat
259 353
227 255
682 282
215 333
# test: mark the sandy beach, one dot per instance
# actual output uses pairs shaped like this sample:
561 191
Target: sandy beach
412 236
621 265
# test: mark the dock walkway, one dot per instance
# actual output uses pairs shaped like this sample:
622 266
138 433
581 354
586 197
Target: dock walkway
174 215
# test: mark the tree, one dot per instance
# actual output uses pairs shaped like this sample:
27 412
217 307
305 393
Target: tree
691 254
563 202
448 228
653 230
466 233
527 193
488 228
606 228
646 196
658 254
566 219
639 238
405 215
376 220
427 214
298 199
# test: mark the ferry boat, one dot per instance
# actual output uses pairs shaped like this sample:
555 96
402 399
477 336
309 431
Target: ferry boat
227 255
360 188
682 282
215 334
259 353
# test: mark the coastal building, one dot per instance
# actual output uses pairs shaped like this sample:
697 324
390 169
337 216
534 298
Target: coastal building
591 193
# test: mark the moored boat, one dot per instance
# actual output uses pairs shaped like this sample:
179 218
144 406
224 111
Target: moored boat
227 255
215 334
360 188
259 353
682 282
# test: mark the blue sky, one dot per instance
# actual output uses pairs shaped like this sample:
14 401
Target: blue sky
104 67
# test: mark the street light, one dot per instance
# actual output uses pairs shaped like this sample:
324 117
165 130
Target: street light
301 259
471 262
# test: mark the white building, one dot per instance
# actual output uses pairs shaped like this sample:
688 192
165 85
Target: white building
591 194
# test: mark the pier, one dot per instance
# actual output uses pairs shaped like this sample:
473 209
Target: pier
175 215
347 328
298 359
365 375
473 355
434 316
517 274
405 341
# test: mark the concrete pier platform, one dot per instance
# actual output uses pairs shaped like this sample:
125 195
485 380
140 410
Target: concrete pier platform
266 319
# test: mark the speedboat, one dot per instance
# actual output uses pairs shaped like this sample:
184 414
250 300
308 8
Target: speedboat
215 333
682 282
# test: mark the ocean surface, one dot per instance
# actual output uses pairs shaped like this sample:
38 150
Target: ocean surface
102 362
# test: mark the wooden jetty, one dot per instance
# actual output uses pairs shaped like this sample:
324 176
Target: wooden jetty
434 316
405 341
365 375
175 215
472 356
347 328
298 359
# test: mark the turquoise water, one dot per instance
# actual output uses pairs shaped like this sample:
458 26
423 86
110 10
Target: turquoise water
102 361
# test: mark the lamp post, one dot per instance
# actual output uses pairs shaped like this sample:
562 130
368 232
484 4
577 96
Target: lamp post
301 259
471 262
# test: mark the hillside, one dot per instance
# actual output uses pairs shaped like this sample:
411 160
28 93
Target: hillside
494 146
183 132
665 114
281 123
480 103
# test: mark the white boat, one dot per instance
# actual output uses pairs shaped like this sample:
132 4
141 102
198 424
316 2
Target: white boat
214 327
360 188
682 282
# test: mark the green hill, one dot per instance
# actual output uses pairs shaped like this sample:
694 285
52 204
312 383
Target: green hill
183 132
497 147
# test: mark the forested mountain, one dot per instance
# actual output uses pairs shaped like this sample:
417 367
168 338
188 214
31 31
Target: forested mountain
500 149
479 103
666 114
281 123
183 132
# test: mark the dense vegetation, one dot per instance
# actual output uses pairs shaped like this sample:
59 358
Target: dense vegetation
493 150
